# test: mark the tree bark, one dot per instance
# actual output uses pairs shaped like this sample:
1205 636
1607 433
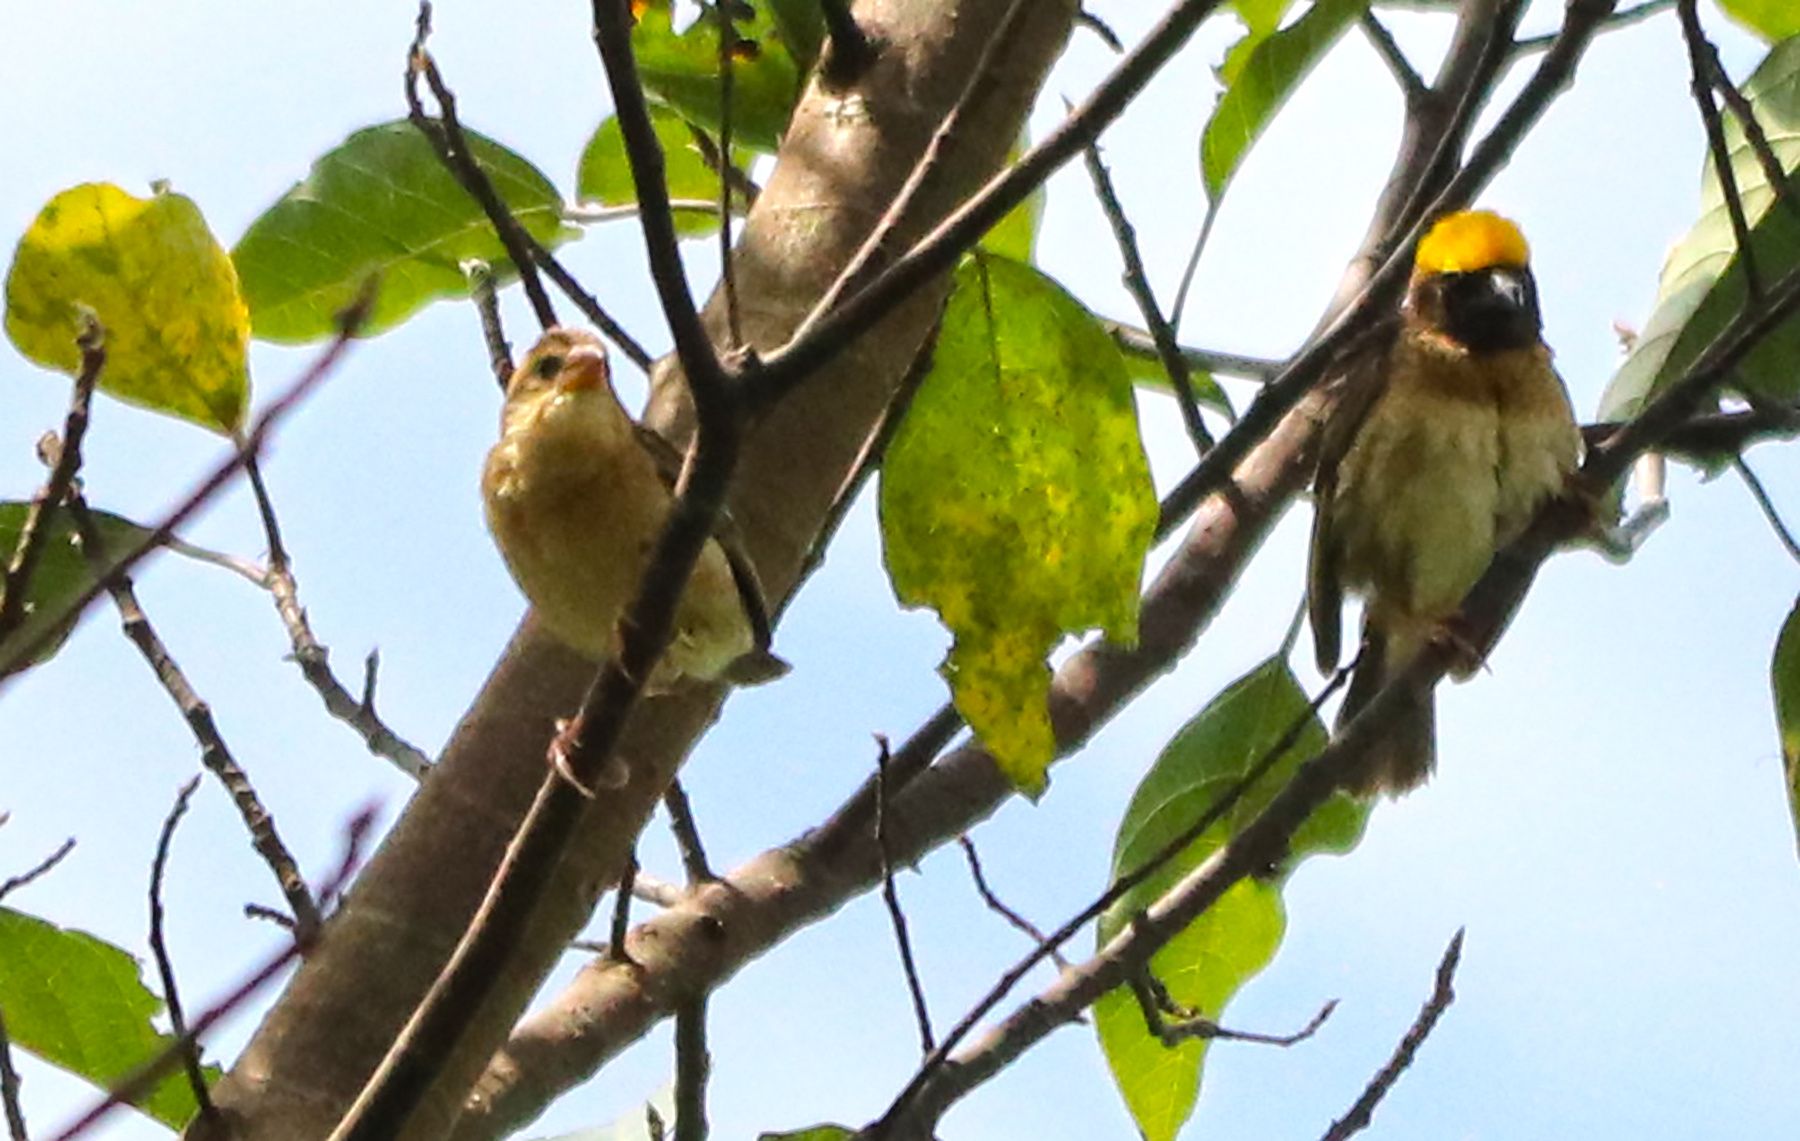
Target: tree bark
845 156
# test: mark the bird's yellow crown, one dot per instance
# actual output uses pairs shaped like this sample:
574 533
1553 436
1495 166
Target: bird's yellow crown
1469 241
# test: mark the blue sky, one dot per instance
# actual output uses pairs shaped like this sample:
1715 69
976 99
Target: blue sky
1608 821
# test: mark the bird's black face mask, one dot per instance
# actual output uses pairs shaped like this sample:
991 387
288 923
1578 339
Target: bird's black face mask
1490 310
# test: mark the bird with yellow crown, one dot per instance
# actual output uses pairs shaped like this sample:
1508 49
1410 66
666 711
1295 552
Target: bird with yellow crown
1447 442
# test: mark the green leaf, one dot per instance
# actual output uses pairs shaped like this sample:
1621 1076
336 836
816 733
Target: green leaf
1260 73
604 175
1773 20
1784 677
381 204
1205 965
62 573
681 70
1016 500
801 26
1702 286
816 1133
165 294
78 1003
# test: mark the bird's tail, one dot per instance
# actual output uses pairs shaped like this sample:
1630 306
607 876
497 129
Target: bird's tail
1405 751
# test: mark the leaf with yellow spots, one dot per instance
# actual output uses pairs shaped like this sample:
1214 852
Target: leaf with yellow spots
162 288
1016 500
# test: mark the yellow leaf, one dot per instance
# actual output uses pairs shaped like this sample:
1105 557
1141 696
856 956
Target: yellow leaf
162 288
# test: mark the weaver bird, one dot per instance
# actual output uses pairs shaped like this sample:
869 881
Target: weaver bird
577 494
1453 431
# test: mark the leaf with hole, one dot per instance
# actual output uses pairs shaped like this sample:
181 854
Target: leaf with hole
1204 965
381 205
163 290
78 1003
1016 500
1703 285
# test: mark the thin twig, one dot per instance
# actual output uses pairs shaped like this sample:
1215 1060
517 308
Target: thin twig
687 834
937 1058
742 187
159 950
1443 994
1780 181
858 270
487 308
1405 75
1139 343
652 889
349 321
38 870
592 214
734 331
693 1065
527 254
621 916
1701 85
313 658
35 535
643 151
1137 283
1761 495
138 1084
447 140
1526 45
1094 24
9 1089
998 906
1171 1023
891 897
214 753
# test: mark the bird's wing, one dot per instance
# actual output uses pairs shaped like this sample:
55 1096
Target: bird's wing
725 531
1360 382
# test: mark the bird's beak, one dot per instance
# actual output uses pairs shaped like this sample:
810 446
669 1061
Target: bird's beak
584 368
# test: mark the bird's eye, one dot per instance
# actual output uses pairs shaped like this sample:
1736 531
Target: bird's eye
548 366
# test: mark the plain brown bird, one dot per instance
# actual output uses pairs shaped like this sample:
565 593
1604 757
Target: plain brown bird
1447 441
577 494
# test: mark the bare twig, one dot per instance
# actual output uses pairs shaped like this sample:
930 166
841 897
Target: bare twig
349 321
1701 86
1767 505
858 270
313 658
998 906
9 1089
687 834
1405 75
692 1067
734 330
621 916
1094 24
487 307
652 889
446 137
142 1080
1780 181
159 950
214 753
1171 1023
35 535
891 897
742 187
1137 283
1442 995
37 870
1139 343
